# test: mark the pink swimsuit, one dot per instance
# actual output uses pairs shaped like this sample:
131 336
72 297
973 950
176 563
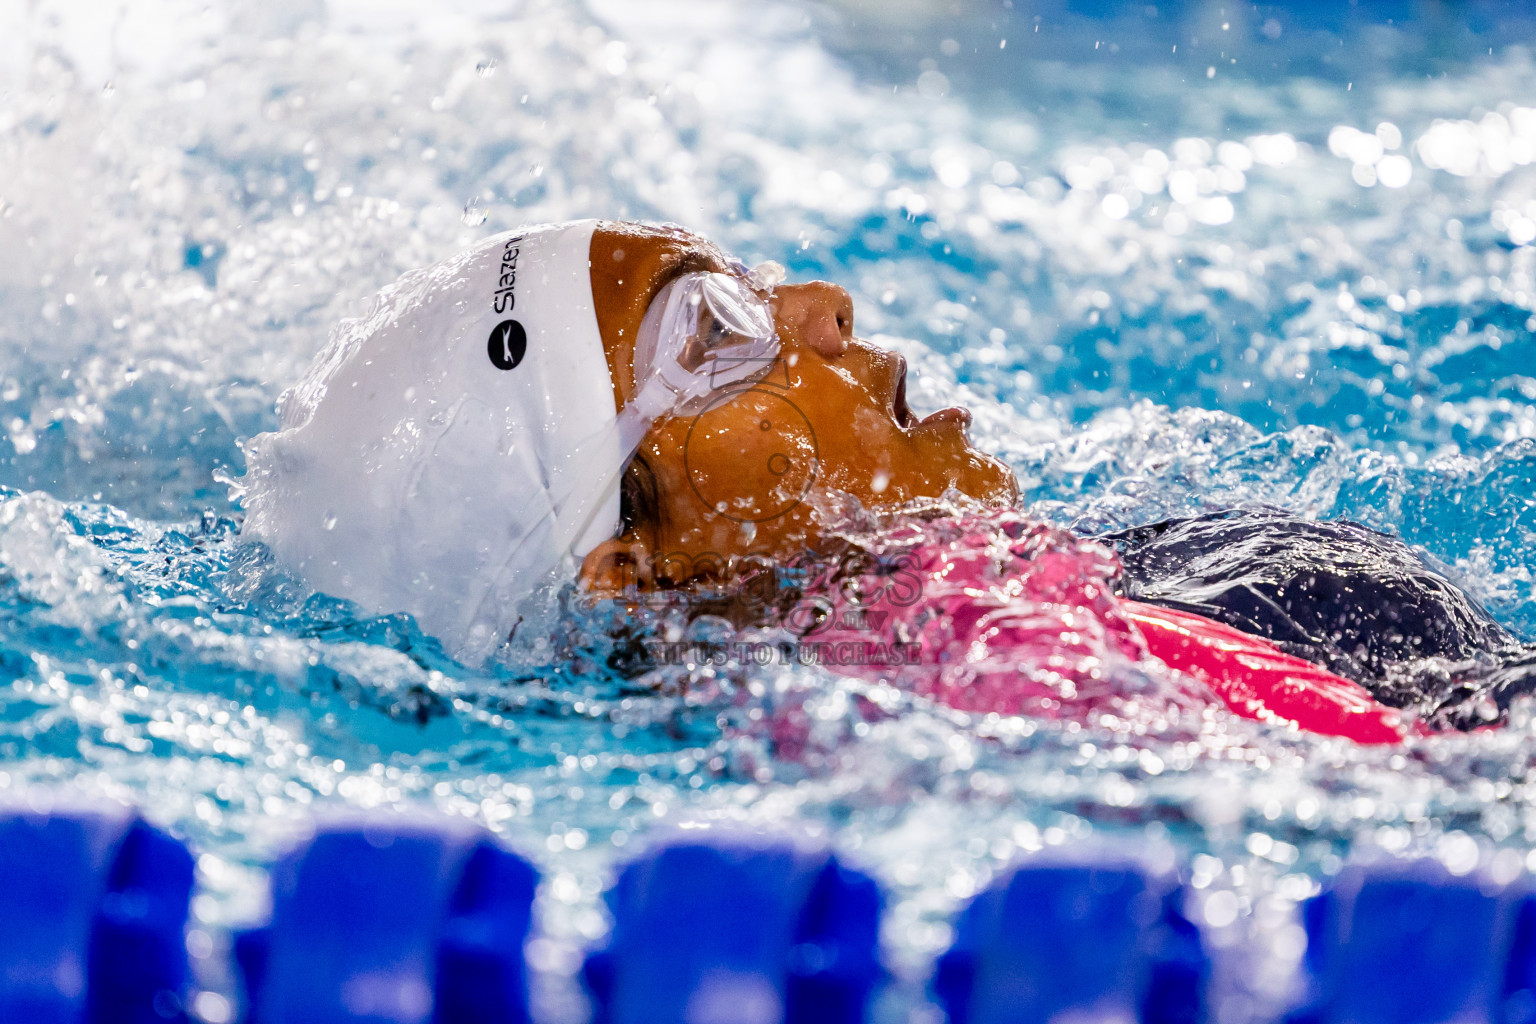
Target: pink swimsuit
997 613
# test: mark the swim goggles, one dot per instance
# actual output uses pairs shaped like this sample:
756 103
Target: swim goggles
704 335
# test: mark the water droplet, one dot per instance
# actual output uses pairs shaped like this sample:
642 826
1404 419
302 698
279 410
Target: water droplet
933 84
474 213
768 275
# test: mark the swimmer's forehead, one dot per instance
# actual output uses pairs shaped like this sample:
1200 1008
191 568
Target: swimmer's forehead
630 264
653 254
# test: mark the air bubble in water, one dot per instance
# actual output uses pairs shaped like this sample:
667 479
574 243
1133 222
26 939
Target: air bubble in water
474 213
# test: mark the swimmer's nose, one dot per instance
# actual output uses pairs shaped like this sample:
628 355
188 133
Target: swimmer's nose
817 313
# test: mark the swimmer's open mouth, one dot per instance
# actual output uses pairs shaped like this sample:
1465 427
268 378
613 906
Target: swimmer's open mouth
904 417
953 416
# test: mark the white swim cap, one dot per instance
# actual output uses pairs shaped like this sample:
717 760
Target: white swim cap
422 459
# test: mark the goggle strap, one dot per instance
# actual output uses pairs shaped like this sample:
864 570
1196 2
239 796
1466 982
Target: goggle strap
654 399
574 509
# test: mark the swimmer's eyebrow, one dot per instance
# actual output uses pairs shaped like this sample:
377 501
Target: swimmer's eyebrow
696 260
692 261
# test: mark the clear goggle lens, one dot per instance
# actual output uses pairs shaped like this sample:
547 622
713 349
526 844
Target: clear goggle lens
703 333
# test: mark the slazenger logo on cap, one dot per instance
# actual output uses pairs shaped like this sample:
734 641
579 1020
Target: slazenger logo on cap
508 342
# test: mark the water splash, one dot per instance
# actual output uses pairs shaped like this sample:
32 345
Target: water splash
1162 294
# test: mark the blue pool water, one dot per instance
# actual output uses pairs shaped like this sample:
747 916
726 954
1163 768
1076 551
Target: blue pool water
1176 257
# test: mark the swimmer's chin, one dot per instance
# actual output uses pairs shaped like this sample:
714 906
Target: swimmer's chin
1006 493
953 418
988 481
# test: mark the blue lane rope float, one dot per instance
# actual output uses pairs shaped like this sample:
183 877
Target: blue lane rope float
423 921
393 921
1519 996
1091 939
738 931
1407 942
93 904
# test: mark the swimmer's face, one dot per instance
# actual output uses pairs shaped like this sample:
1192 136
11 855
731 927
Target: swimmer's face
741 478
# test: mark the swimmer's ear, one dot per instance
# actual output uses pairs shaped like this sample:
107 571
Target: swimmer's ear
616 566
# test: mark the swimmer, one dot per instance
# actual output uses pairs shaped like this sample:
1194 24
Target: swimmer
629 405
